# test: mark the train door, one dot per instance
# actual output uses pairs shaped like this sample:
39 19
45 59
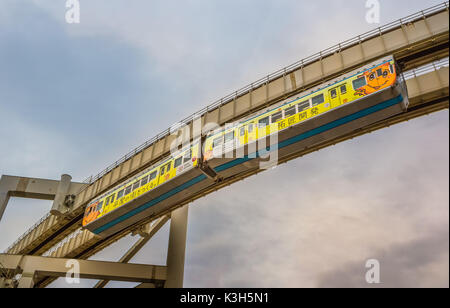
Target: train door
251 132
164 173
243 135
217 147
263 127
229 141
344 94
195 153
247 134
335 97
153 180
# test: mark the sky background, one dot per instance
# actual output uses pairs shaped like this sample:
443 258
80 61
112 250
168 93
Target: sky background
76 97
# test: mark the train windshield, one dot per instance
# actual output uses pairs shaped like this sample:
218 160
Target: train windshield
100 206
360 82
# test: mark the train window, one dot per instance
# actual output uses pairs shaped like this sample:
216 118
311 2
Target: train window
100 206
277 117
187 156
391 68
162 170
110 199
178 161
264 122
333 93
217 142
144 181
153 175
168 166
316 100
120 194
290 111
242 131
343 89
250 127
372 76
136 185
229 136
128 190
379 72
360 82
303 106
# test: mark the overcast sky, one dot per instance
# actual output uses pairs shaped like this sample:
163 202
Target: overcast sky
76 97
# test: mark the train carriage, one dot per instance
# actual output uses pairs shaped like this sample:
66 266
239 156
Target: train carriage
353 101
151 192
346 104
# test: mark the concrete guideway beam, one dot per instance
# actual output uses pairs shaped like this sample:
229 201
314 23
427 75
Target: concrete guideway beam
33 266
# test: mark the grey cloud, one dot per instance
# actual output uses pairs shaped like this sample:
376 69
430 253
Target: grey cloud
399 266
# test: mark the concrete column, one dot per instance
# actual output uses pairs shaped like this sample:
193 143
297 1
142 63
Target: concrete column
7 184
4 198
59 207
27 280
4 283
177 248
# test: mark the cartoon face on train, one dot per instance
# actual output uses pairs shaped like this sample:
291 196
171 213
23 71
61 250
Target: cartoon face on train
376 79
91 213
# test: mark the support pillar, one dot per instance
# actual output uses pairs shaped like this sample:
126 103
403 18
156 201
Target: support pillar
177 248
26 281
4 198
59 205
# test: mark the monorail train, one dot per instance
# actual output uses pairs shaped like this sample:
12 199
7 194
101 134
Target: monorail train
357 99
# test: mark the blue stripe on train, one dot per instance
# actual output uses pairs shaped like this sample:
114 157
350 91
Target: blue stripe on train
238 161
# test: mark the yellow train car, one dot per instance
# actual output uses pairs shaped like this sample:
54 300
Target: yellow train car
357 99
152 181
302 108
350 94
